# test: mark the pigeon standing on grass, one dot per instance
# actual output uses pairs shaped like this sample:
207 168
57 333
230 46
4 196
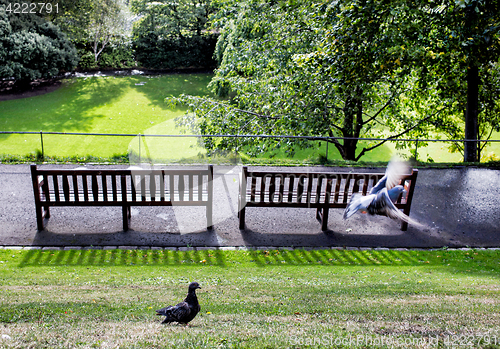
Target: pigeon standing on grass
381 198
185 311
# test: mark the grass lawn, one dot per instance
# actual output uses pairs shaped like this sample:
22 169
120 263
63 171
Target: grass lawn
135 104
251 299
131 104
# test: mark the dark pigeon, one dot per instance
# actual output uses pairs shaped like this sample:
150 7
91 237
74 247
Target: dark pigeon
185 311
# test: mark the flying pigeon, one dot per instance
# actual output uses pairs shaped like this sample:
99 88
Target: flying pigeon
382 197
185 311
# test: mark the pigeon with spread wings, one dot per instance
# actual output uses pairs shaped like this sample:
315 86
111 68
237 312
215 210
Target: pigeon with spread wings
381 198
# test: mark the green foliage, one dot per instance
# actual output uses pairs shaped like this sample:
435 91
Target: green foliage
334 69
32 48
348 69
98 28
117 54
455 38
187 52
173 34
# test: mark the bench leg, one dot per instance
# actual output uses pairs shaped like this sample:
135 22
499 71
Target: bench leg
242 218
404 226
324 219
39 217
125 216
210 225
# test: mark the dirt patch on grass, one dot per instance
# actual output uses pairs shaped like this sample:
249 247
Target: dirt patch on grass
36 88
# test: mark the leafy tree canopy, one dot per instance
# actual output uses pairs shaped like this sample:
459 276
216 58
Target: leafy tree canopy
349 68
310 68
172 34
461 39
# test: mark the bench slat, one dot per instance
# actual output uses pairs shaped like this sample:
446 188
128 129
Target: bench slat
272 187
55 182
152 186
104 182
171 187
75 187
291 180
281 189
347 185
254 185
309 188
162 186
200 186
191 187
114 188
133 183
262 188
300 188
142 182
95 188
65 187
181 187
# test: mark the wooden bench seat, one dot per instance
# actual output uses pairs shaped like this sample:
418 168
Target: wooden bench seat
320 190
121 187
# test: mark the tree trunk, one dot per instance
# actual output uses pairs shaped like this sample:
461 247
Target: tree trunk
352 125
471 124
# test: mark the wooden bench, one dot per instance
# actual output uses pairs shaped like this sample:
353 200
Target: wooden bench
122 188
320 190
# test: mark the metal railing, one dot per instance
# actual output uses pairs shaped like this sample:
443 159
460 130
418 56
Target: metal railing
312 138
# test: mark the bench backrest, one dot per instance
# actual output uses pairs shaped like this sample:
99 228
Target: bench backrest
122 185
312 189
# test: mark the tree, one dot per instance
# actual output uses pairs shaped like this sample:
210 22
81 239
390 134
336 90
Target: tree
310 68
462 39
173 34
32 48
108 19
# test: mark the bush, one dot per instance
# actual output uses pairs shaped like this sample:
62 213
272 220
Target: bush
168 53
31 48
118 54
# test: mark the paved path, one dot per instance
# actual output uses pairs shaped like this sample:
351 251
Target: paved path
457 207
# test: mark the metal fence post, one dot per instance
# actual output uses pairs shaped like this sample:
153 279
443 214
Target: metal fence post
416 149
326 150
139 148
41 141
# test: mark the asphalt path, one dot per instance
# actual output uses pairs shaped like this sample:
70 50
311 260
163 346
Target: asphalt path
457 208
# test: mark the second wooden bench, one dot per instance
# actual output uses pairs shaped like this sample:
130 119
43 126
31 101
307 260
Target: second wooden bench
319 190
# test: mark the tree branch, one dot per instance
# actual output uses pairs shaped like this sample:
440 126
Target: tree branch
364 150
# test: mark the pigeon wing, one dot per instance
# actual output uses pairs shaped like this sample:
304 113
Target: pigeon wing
383 205
394 173
164 311
177 313
358 202
379 186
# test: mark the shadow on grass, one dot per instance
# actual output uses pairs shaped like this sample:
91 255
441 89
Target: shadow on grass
63 110
479 262
99 257
158 87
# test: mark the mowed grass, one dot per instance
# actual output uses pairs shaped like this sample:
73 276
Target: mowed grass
251 299
130 105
